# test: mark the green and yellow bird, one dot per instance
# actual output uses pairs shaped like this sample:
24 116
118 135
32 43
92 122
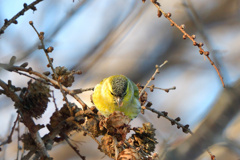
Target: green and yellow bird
117 93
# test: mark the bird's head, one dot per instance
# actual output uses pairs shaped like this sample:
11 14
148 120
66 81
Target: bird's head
119 88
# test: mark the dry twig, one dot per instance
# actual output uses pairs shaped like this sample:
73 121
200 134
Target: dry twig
14 18
40 75
9 139
152 78
185 128
73 147
46 51
186 35
27 120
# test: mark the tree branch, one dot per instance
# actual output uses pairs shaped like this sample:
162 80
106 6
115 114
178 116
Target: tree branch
211 129
20 13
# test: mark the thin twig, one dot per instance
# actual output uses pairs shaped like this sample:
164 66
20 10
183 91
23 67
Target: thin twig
164 114
26 119
9 139
4 148
153 76
195 43
14 18
41 38
36 79
164 89
54 101
29 70
59 26
73 147
200 27
78 91
18 139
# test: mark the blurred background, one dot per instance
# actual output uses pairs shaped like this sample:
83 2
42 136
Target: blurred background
126 37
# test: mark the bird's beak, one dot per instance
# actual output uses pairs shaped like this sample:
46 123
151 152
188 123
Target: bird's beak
119 101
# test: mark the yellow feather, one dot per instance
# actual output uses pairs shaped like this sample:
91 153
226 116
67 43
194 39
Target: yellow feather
105 93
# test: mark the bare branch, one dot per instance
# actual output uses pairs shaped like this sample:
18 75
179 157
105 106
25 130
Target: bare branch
186 35
14 18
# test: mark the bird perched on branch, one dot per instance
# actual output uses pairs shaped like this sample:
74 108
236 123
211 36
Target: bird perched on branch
117 93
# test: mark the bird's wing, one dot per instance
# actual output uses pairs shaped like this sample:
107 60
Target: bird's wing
135 88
